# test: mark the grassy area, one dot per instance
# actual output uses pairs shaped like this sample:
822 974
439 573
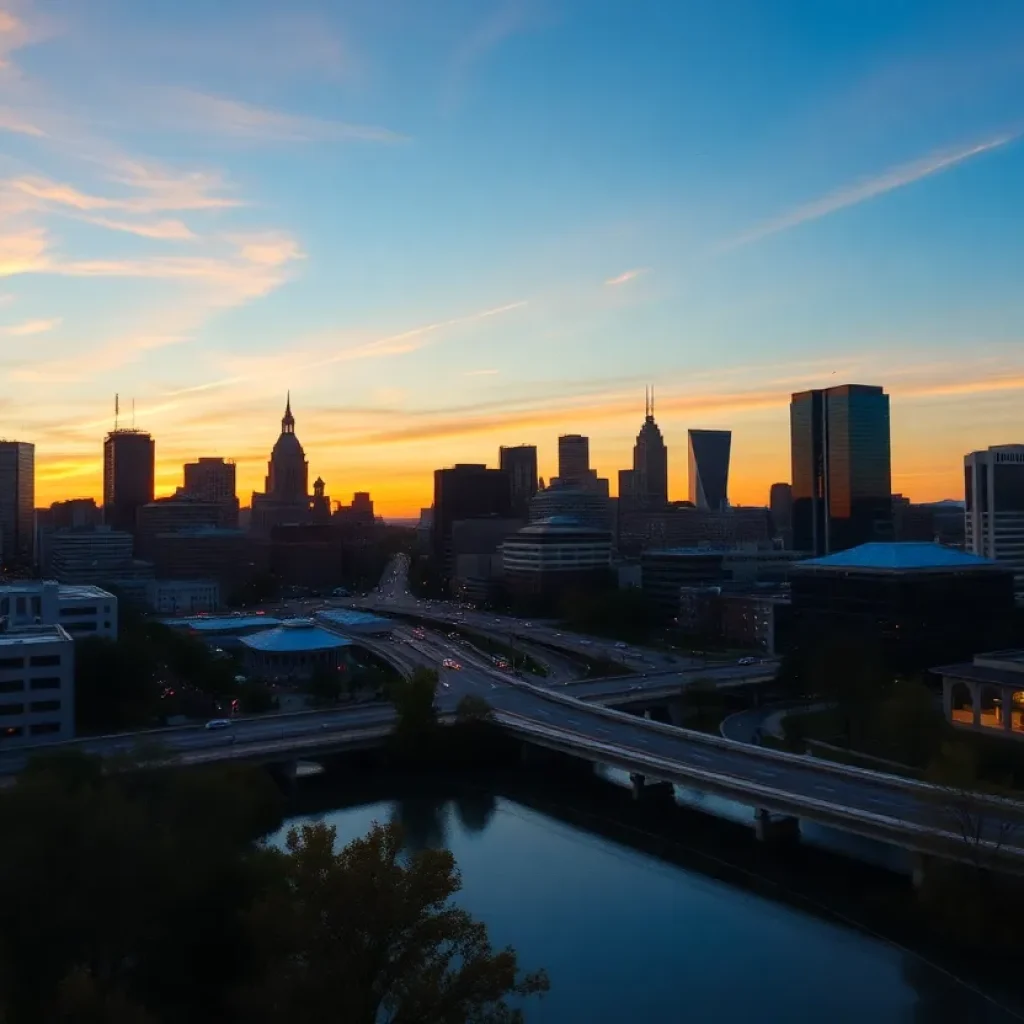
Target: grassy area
496 649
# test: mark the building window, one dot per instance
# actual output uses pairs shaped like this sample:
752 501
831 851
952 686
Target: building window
12 663
6 710
11 732
991 708
49 683
961 704
1017 710
44 705
42 728
12 686
44 660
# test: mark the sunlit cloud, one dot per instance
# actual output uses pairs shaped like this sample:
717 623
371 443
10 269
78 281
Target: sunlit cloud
30 327
12 122
199 112
162 230
851 195
624 278
23 252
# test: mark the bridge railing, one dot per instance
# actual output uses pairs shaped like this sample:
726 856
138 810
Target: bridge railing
759 792
767 754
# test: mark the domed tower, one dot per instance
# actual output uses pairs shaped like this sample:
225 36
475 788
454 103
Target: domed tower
288 471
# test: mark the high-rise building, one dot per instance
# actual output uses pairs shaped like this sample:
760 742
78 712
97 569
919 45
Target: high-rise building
17 503
994 519
709 468
466 491
780 501
213 479
171 515
842 489
520 465
574 460
129 458
650 462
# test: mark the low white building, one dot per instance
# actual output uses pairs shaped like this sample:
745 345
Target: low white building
183 597
82 610
37 685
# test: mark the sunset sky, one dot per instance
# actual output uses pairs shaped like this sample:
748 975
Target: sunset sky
455 224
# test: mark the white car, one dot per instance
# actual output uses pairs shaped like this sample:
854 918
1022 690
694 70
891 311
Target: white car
747 661
621 646
218 723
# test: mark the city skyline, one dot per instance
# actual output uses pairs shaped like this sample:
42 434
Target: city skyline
495 225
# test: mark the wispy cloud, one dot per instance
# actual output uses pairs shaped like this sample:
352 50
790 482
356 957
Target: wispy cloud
625 277
195 111
23 252
162 230
851 195
10 121
30 327
480 373
507 19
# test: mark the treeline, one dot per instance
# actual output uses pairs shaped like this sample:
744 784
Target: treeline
146 897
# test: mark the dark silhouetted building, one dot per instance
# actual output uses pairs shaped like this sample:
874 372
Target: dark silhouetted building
213 479
169 515
546 560
649 481
466 491
709 468
585 505
358 515
520 464
129 459
924 604
994 489
574 460
780 504
285 498
17 503
842 492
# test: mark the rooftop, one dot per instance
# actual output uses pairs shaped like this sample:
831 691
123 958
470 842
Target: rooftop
352 617
900 556
222 623
84 592
558 524
731 552
295 636
33 635
1003 668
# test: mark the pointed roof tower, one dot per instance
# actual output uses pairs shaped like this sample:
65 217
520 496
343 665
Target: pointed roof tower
288 421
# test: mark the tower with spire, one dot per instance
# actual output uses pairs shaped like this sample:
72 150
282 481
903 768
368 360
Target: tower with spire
285 497
649 478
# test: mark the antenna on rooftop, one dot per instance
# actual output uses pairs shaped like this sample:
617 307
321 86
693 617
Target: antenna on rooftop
133 414
117 410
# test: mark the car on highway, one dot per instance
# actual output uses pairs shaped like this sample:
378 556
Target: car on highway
620 646
747 661
451 663
218 723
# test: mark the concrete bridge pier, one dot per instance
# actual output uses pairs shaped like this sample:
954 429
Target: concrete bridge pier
919 871
644 789
775 828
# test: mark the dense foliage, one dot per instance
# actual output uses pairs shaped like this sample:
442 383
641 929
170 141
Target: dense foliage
144 898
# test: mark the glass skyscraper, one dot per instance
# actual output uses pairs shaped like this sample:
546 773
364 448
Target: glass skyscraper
17 503
709 468
842 485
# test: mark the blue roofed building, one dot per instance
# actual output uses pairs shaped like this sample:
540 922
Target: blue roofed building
294 649
920 604
353 622
224 631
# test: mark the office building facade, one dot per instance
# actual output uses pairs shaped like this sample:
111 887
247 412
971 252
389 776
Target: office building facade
708 466
213 480
37 685
129 464
466 491
520 465
780 504
574 460
994 511
83 611
842 489
17 503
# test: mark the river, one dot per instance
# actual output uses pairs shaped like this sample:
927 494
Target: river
627 936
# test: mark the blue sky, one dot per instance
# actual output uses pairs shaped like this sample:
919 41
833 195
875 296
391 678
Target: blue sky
454 225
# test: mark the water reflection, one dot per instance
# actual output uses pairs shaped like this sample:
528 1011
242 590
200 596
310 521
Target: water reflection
629 936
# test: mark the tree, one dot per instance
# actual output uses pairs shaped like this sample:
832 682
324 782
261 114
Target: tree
473 708
846 670
908 727
413 699
325 685
255 697
115 684
367 935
